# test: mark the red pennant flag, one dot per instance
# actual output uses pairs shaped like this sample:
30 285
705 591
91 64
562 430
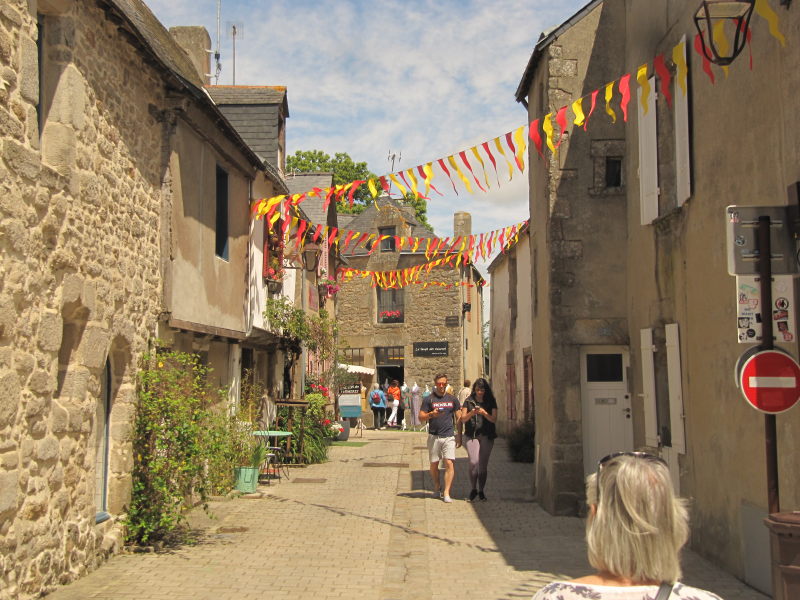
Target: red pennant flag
510 144
625 91
332 236
353 189
561 119
317 232
591 109
358 243
299 235
698 46
536 138
463 156
286 220
403 177
384 184
447 172
485 146
347 239
663 74
455 243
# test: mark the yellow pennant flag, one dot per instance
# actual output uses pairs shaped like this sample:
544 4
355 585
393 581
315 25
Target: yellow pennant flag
461 251
519 139
428 170
609 95
400 186
413 179
577 108
372 189
679 58
547 127
644 83
721 41
416 244
499 147
274 218
765 10
483 167
453 164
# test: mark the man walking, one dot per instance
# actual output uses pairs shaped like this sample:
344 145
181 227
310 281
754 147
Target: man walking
439 409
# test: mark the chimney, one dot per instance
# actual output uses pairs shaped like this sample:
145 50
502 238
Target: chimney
196 42
462 224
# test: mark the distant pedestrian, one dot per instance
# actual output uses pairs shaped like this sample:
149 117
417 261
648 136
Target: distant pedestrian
478 415
634 534
393 395
439 409
377 401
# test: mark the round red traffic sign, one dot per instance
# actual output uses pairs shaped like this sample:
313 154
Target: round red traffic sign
770 381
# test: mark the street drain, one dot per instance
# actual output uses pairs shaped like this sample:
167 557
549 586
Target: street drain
308 480
231 529
395 465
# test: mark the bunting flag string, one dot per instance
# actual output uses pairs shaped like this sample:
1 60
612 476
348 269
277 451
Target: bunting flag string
616 94
409 276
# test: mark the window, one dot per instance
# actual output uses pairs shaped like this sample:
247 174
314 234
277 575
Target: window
221 245
387 245
613 171
604 367
389 355
102 419
390 306
353 356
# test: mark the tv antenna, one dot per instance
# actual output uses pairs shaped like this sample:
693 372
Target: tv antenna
218 64
393 156
235 30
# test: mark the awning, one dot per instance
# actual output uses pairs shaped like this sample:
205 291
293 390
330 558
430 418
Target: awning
357 369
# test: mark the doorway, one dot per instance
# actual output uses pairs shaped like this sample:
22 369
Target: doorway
605 403
389 364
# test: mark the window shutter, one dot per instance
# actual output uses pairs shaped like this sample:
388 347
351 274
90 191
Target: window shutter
683 163
649 388
675 388
648 157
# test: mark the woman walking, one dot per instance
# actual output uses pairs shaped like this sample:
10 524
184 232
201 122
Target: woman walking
393 397
377 401
478 414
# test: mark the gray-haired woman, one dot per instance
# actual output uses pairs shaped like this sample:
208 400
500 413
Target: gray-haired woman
635 531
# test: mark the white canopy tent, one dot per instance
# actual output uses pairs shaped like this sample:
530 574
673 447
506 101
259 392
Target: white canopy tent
357 369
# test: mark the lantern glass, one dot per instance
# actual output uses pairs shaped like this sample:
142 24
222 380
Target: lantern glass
714 13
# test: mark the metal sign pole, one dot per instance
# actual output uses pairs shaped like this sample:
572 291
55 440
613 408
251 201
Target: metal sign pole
770 429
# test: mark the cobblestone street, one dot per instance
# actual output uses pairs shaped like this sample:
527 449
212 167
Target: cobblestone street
366 525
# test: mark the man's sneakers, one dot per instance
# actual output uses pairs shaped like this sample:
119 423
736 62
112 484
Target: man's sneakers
447 499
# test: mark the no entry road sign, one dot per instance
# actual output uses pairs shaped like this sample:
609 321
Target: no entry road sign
770 381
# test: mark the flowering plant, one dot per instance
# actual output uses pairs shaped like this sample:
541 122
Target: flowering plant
334 427
321 389
390 315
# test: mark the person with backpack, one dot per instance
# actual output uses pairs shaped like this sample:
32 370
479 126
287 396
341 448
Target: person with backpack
377 401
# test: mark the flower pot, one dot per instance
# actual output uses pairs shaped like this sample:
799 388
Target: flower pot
345 433
246 479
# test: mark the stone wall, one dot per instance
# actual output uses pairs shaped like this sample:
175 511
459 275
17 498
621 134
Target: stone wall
79 281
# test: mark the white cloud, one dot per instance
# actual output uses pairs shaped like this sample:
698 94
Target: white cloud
426 78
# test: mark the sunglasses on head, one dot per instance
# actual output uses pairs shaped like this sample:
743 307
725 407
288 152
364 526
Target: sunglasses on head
602 462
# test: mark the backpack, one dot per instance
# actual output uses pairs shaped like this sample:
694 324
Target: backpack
375 397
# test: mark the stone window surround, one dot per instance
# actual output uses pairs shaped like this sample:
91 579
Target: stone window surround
601 150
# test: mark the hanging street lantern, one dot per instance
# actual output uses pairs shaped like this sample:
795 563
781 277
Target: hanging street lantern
712 17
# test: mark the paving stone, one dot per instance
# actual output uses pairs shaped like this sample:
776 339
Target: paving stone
373 534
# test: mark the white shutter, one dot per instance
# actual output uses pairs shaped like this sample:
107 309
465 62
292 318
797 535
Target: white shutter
649 388
648 157
676 416
683 164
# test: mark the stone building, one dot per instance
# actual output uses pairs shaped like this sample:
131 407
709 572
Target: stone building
124 208
510 317
422 331
635 338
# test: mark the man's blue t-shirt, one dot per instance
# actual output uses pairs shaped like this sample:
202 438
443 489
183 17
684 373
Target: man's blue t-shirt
442 425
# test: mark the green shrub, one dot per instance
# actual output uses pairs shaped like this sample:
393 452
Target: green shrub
315 434
185 445
521 442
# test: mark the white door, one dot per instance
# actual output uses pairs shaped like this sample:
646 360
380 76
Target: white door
606 403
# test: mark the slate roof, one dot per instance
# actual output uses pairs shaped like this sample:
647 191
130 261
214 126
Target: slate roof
250 94
303 182
144 31
365 223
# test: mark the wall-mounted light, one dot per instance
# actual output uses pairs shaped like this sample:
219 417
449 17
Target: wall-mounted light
310 257
717 13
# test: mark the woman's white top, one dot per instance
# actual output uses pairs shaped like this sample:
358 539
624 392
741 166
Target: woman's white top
566 590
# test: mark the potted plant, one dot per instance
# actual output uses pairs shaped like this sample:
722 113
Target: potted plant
247 476
391 316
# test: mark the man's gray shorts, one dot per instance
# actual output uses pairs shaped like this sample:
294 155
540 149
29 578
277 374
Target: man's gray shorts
441 447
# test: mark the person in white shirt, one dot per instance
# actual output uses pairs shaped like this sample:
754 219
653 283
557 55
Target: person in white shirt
634 533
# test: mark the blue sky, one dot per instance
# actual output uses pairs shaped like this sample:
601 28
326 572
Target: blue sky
423 77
